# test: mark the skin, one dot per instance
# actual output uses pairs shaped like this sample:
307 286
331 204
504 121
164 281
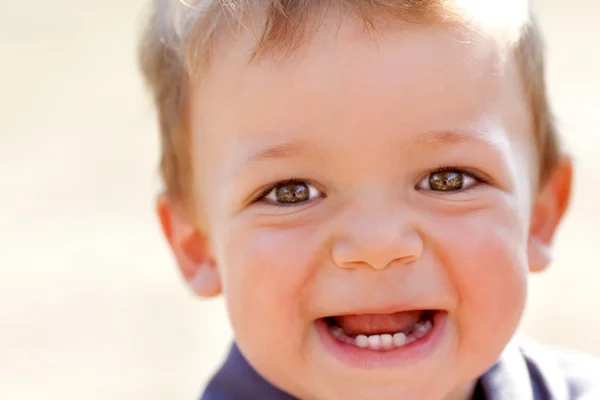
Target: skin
364 121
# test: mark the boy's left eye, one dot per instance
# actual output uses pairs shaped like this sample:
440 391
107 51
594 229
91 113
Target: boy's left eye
450 180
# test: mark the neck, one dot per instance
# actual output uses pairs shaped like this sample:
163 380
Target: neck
466 392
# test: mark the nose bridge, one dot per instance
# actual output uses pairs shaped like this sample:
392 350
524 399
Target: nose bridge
375 231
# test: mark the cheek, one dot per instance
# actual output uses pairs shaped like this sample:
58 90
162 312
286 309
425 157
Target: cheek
485 257
492 278
266 276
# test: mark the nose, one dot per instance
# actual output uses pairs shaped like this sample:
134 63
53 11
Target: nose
376 236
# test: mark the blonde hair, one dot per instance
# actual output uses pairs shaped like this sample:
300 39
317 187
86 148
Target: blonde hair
179 38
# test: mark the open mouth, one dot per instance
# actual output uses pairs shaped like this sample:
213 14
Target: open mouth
382 332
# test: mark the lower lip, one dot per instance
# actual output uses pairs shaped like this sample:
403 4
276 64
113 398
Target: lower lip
371 359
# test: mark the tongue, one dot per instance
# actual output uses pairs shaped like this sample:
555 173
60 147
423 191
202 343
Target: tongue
376 324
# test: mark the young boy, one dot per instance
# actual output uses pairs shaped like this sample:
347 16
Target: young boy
368 183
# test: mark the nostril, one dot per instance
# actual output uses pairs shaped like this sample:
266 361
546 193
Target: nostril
360 250
408 259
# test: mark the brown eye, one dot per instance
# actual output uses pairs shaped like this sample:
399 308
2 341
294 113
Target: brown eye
291 193
447 181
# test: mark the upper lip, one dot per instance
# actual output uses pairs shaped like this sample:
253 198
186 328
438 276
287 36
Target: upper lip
384 310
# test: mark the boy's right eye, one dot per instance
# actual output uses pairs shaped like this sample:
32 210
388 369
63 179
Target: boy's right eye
290 193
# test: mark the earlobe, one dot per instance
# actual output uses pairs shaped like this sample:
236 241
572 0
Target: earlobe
190 248
548 211
539 254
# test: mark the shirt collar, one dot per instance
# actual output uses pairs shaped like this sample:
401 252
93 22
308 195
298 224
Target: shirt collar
508 379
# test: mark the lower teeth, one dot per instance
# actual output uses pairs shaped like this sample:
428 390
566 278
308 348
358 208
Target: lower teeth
385 341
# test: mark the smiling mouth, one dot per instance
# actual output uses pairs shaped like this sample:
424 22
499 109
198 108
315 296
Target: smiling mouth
382 332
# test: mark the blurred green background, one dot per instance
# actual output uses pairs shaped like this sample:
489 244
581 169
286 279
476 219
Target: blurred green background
91 305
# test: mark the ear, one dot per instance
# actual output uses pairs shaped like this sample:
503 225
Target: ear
190 248
548 210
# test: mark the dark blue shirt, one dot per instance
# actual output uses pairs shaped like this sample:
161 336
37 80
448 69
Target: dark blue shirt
525 371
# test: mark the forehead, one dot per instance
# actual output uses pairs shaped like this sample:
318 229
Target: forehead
408 79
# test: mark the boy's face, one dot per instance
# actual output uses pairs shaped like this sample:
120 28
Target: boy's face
368 188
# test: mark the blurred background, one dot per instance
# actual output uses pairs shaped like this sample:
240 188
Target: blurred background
91 305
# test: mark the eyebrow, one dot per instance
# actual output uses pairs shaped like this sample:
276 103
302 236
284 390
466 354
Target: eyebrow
307 149
296 148
449 137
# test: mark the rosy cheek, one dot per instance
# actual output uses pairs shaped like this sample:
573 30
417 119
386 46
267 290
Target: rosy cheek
267 274
486 263
494 267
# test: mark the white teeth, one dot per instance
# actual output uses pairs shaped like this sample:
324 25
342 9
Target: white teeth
387 342
399 339
374 342
361 341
